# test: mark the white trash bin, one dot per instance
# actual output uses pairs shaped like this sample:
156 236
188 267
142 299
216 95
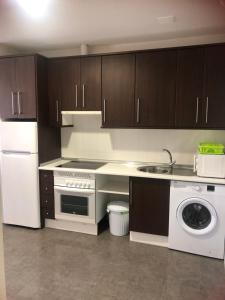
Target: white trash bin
118 217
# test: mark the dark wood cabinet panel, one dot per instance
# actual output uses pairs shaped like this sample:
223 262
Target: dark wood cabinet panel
155 88
26 87
189 95
8 105
69 73
91 83
54 93
118 72
74 84
149 205
214 90
48 208
47 195
18 88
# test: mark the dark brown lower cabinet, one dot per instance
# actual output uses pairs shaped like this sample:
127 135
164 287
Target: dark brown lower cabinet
149 205
47 195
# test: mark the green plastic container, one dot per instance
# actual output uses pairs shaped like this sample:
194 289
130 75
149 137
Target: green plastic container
207 148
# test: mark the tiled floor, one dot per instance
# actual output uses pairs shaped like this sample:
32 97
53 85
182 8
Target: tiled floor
58 265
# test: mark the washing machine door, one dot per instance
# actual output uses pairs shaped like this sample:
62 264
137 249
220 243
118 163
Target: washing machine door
196 216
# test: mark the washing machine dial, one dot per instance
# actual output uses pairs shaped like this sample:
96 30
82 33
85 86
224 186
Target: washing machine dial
197 188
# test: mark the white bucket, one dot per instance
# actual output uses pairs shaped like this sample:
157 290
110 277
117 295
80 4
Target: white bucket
118 218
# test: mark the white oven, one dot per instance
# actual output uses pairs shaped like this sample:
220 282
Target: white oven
75 197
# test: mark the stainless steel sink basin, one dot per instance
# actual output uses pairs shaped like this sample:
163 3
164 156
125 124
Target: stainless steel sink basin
165 169
155 169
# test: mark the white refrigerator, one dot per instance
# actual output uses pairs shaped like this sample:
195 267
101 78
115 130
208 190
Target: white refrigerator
19 174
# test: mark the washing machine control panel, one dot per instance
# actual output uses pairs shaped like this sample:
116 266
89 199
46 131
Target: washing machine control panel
197 188
211 188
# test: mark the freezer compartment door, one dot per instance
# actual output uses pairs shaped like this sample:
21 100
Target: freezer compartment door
19 136
20 189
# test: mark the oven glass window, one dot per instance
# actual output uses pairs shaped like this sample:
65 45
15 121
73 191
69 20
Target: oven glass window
196 216
74 205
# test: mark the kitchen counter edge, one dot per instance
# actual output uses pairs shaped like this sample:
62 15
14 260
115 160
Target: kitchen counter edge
130 170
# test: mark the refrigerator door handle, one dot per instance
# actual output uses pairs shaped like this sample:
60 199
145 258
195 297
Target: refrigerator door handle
16 152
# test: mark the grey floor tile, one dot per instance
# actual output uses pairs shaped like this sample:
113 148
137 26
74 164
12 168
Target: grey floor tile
58 265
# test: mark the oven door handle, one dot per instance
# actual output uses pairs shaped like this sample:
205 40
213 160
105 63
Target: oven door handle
70 189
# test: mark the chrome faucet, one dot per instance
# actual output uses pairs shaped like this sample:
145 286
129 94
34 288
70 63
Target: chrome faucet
172 163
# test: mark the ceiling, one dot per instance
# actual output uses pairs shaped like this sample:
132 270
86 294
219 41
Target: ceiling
68 23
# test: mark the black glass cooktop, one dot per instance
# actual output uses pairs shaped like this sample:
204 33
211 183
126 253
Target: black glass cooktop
90 165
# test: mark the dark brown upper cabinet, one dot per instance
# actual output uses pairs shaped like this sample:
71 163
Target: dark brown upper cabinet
91 83
63 87
54 93
190 70
7 88
149 205
18 88
74 84
214 87
69 73
155 89
200 101
118 75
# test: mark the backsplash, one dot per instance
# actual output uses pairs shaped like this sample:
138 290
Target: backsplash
87 140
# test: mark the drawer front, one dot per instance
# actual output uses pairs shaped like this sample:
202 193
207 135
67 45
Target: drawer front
46 182
48 207
47 188
46 176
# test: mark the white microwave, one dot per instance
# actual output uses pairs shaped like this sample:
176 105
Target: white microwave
209 165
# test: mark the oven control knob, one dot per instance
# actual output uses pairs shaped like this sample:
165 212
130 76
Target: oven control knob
88 185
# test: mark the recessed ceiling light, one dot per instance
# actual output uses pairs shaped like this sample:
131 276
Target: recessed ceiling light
34 8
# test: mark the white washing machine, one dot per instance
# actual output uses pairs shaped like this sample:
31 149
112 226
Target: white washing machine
197 218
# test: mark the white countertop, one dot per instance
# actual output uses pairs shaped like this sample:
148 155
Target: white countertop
128 169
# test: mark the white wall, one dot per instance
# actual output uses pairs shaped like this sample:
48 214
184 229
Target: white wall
93 49
6 50
88 140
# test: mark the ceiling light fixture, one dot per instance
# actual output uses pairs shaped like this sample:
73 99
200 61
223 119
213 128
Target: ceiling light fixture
34 8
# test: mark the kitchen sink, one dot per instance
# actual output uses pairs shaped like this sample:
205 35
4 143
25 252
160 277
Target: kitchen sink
155 169
165 169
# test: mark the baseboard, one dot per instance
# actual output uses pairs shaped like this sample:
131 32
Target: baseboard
72 226
150 239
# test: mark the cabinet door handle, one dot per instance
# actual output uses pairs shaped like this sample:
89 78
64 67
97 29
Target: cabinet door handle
57 111
19 103
130 193
13 108
138 110
207 110
83 86
197 106
104 108
76 95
